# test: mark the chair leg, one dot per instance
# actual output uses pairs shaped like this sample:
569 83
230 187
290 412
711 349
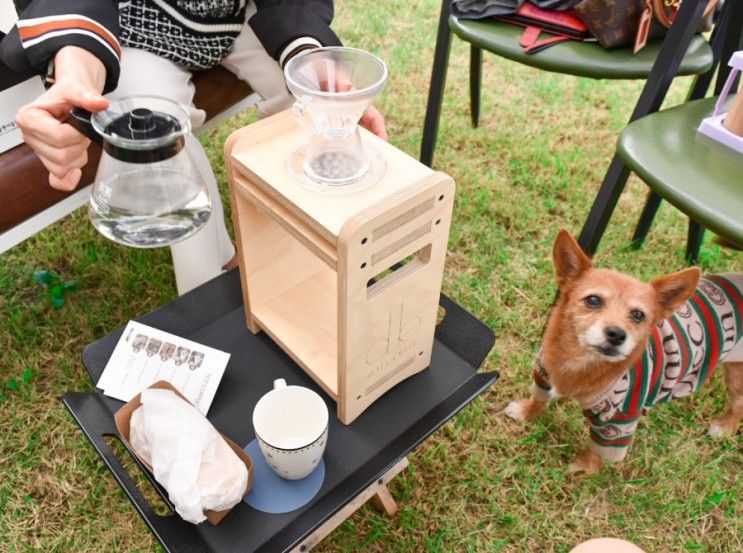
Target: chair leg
656 87
652 203
723 42
694 242
475 83
438 82
603 206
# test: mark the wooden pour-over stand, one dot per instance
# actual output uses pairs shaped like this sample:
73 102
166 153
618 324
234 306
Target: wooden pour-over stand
321 272
346 284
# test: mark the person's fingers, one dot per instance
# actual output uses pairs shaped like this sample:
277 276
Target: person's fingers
68 94
373 121
40 120
92 101
60 147
342 84
59 171
67 182
336 83
39 124
69 156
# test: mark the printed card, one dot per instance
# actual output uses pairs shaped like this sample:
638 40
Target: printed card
145 355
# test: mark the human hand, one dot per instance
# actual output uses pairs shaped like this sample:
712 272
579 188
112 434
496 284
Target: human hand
79 81
372 120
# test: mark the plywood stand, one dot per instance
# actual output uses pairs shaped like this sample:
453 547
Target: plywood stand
347 284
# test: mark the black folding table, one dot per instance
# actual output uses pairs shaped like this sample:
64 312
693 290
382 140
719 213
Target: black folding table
357 456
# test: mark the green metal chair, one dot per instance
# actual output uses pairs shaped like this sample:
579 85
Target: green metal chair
726 38
699 176
683 52
583 59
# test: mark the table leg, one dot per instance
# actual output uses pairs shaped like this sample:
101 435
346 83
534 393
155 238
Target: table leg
378 492
384 501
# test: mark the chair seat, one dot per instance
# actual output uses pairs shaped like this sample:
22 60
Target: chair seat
698 175
583 59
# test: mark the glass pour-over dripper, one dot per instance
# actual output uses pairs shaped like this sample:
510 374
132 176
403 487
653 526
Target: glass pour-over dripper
333 86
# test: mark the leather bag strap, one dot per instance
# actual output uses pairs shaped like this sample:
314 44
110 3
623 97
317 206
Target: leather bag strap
530 40
666 10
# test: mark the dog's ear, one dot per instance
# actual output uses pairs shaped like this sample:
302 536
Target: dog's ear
673 290
569 259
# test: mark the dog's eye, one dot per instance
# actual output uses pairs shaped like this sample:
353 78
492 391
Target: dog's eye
637 315
593 301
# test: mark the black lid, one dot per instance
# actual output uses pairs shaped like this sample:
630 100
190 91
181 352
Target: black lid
143 124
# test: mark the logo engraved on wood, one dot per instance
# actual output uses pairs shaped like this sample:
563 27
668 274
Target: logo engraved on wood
402 328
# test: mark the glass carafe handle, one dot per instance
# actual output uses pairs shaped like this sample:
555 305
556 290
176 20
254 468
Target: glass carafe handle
80 120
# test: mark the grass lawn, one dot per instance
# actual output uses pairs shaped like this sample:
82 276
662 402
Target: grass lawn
482 483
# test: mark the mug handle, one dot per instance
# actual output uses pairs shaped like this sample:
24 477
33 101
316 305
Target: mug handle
279 383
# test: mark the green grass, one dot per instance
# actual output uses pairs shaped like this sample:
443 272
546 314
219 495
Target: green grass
482 483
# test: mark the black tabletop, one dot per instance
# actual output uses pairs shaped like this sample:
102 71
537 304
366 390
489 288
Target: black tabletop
356 455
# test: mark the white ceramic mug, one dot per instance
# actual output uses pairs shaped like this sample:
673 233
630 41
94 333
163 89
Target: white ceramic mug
291 426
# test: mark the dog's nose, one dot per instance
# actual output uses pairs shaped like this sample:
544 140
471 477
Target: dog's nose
615 335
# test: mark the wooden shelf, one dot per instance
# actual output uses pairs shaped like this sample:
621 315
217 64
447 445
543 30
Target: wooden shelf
287 220
306 316
308 261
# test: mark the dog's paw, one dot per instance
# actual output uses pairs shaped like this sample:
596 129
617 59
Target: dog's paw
719 430
516 410
586 462
576 467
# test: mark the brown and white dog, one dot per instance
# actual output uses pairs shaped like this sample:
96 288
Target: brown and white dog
619 346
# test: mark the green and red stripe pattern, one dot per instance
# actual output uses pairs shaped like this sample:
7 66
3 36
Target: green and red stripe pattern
701 341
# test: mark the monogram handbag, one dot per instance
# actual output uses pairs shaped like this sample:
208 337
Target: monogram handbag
617 23
658 16
614 24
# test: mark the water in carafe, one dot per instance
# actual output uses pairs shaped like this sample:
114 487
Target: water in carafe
148 191
146 211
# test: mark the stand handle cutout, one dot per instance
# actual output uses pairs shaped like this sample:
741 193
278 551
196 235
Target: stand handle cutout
398 271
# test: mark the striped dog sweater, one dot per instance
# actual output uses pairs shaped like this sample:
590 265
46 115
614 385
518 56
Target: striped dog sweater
681 355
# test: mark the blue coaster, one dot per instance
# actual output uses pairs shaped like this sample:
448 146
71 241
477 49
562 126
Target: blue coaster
271 493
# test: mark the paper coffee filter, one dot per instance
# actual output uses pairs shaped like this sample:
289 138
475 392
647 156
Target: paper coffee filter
188 456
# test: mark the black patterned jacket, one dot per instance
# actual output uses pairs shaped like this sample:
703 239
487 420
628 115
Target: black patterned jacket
196 34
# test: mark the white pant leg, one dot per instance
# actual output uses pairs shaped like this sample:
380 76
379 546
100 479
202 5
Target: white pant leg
252 64
146 74
202 256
